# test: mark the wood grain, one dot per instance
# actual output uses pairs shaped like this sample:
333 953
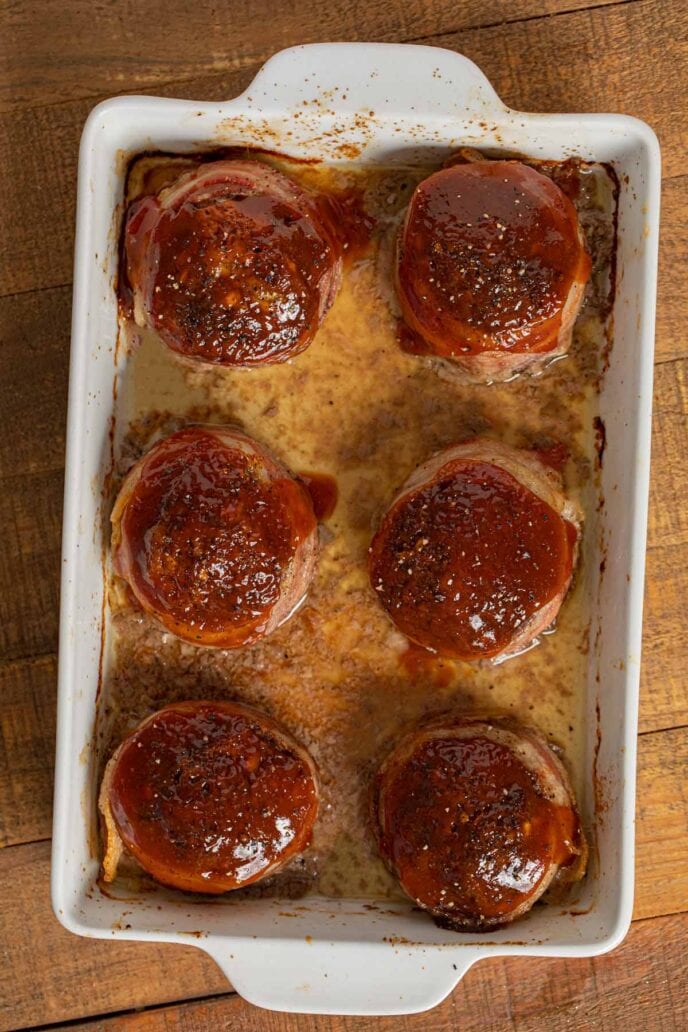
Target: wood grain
41 147
672 293
70 985
49 975
109 51
56 60
31 518
642 986
34 353
668 521
27 746
662 824
663 687
34 366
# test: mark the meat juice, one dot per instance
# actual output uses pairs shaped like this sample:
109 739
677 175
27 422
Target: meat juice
357 408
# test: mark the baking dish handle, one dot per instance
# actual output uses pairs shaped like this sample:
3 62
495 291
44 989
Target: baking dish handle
357 978
407 80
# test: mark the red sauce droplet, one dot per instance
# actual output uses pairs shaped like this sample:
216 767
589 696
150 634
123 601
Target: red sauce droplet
212 796
351 224
323 491
420 664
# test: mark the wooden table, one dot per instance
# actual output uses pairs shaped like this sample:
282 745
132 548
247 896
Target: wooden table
57 59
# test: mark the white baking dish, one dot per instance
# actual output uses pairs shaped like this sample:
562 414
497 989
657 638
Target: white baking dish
384 102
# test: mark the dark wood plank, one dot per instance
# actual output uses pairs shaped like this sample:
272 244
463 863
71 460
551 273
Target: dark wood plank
34 368
31 515
34 357
49 975
642 986
27 747
40 148
668 516
672 288
31 518
663 688
662 824
63 51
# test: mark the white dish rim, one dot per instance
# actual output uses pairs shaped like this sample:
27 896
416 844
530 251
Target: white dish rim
322 973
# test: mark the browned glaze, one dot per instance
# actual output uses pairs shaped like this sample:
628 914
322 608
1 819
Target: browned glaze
205 536
468 831
487 257
463 562
323 491
232 264
212 796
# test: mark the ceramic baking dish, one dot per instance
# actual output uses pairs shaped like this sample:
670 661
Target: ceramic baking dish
366 103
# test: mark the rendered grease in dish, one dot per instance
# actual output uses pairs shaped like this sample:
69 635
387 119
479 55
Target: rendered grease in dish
357 408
